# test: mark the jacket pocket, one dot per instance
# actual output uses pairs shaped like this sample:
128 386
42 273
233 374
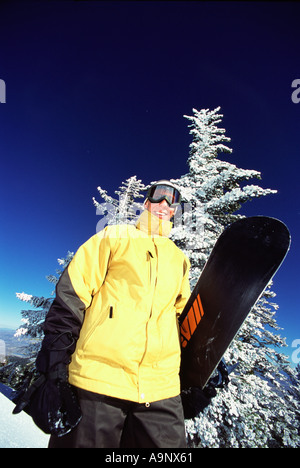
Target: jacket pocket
101 322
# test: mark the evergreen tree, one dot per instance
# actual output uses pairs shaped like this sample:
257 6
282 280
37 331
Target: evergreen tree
212 190
22 370
258 408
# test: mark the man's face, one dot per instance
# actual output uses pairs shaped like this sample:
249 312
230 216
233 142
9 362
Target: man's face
162 209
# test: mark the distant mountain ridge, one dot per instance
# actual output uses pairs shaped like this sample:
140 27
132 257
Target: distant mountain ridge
11 345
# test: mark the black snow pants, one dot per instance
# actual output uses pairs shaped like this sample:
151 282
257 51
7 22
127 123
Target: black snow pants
114 423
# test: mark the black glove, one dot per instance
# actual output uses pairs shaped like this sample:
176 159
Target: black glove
51 401
194 400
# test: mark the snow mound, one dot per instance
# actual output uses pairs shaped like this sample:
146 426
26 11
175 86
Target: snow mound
18 430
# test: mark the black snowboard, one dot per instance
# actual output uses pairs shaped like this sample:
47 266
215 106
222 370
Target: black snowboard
242 263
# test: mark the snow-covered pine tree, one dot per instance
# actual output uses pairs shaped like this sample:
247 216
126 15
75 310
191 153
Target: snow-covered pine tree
259 407
19 370
213 189
33 319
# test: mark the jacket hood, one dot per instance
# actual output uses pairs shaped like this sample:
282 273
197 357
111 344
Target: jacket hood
153 225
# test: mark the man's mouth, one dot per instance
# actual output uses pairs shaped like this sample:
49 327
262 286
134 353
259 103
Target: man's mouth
161 214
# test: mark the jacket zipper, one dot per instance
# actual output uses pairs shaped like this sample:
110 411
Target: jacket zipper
153 283
153 287
149 256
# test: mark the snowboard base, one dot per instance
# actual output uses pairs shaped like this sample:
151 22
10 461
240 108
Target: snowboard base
242 263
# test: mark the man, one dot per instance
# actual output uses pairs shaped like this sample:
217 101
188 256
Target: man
118 302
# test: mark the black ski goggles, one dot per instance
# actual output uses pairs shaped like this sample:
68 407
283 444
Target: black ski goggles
158 193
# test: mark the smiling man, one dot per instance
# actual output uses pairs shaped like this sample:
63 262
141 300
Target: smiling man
111 337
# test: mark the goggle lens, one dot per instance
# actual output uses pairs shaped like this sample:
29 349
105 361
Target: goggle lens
158 193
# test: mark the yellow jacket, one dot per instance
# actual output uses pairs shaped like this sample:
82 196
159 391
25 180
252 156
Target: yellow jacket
133 284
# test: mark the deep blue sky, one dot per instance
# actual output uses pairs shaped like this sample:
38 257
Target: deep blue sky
96 92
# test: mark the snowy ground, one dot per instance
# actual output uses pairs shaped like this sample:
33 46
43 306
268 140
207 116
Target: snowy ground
18 430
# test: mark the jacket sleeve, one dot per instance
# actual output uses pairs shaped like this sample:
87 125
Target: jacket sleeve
74 293
77 286
185 292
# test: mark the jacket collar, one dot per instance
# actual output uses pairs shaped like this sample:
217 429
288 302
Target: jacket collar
152 225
